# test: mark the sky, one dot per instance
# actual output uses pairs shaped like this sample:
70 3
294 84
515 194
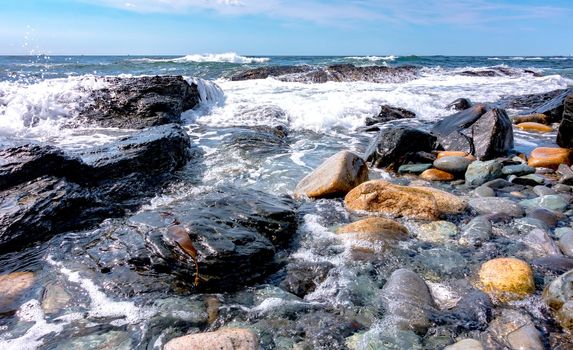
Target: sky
287 27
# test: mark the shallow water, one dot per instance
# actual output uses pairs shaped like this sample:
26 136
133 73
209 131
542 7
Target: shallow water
129 308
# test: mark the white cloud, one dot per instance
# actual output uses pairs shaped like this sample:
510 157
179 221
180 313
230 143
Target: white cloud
422 12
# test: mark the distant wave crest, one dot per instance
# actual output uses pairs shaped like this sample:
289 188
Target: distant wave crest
228 57
372 58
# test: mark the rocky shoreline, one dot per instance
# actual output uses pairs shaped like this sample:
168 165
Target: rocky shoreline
451 238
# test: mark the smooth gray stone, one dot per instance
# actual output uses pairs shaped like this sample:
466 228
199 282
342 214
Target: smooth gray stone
566 243
551 202
547 216
495 205
526 225
543 190
516 330
518 170
484 191
413 168
478 172
563 188
476 232
498 183
540 241
561 231
452 164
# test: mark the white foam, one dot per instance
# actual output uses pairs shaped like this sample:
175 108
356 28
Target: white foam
373 58
227 57
346 105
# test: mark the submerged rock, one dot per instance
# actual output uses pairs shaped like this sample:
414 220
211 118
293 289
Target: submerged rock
506 278
13 287
496 206
516 331
374 229
559 297
395 146
466 344
476 232
407 301
136 103
437 231
304 276
224 339
335 177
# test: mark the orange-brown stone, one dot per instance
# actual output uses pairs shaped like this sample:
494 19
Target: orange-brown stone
532 126
531 118
374 229
436 175
443 154
506 278
547 157
12 287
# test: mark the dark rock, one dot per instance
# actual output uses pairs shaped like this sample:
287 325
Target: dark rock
106 181
547 216
495 72
136 103
397 145
473 311
233 232
555 265
326 330
338 73
26 162
303 277
565 132
37 209
553 107
566 174
548 103
389 113
413 168
485 134
256 142
407 301
460 104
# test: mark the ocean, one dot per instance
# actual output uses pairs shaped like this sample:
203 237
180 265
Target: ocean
39 100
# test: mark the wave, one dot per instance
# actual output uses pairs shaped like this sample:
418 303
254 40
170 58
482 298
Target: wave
516 58
228 57
372 58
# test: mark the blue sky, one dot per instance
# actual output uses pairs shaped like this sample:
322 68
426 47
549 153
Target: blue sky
287 27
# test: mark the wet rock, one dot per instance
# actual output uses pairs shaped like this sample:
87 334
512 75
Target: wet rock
23 163
528 180
558 295
472 312
547 157
547 216
566 243
108 340
327 331
436 175
466 344
543 191
565 131
375 229
407 301
256 142
485 134
484 191
136 103
455 165
389 113
495 205
55 298
517 170
382 338
441 262
562 188
224 339
303 277
335 177
476 232
413 168
552 202
506 278
338 73
516 331
560 231
531 118
478 172
551 104
459 104
437 231
540 241
395 146
566 174
534 127
13 288
551 265
233 234
416 202
443 154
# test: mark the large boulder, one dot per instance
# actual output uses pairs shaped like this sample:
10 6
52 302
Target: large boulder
485 134
395 146
82 190
416 202
407 301
335 177
565 132
547 103
136 103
